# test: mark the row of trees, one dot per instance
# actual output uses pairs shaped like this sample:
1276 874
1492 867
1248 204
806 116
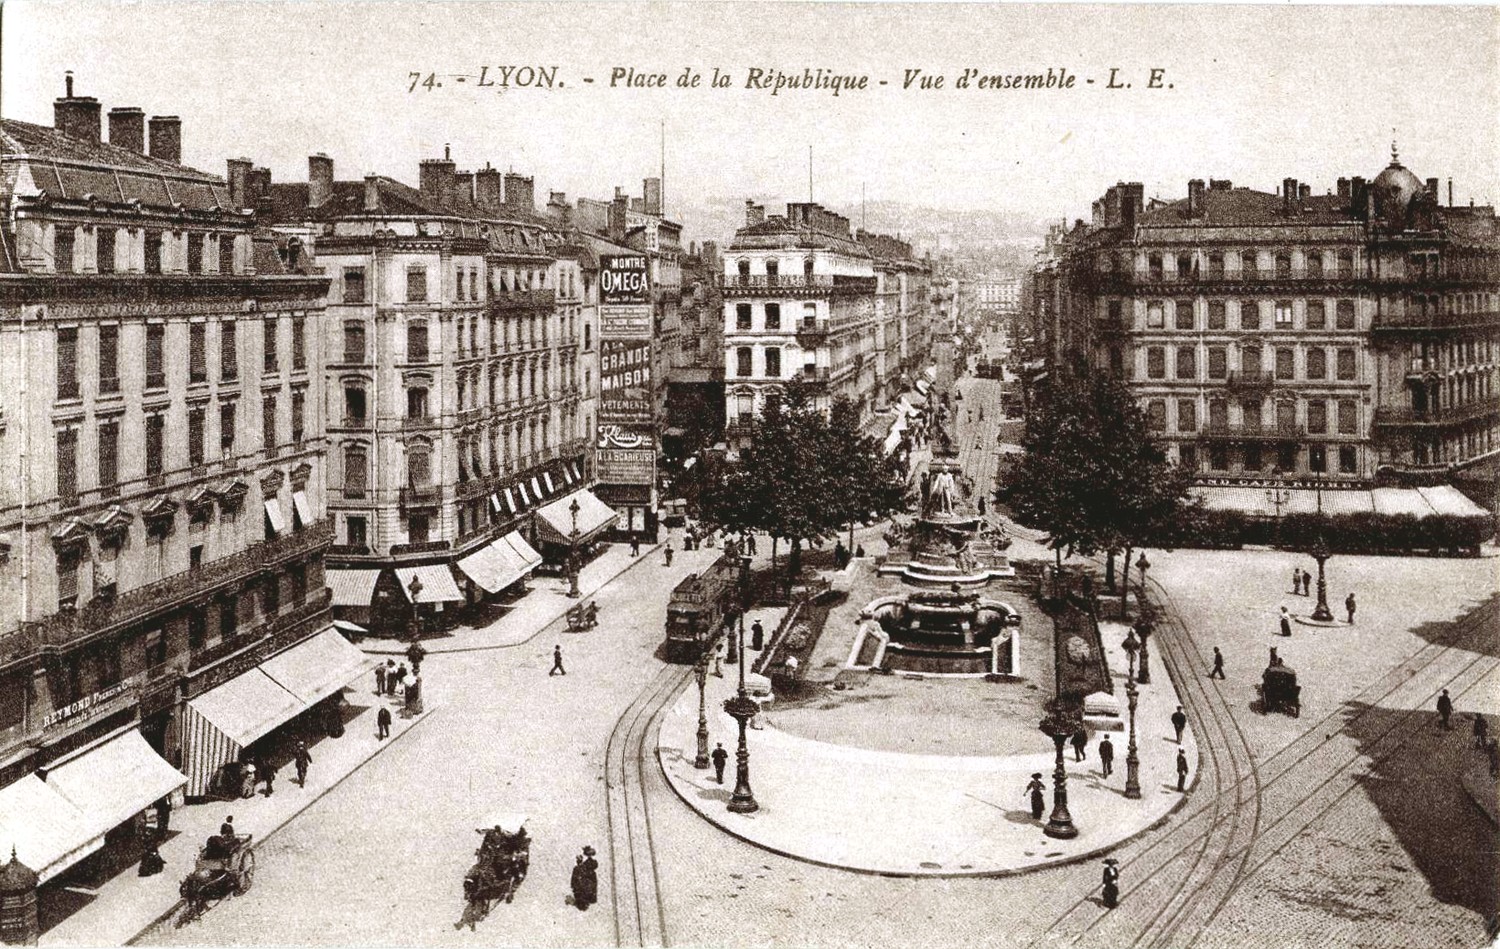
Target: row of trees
1092 477
803 477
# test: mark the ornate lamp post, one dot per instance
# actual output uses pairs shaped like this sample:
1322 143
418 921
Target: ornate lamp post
742 708
701 672
573 552
1320 553
414 589
1061 722
1132 761
1144 626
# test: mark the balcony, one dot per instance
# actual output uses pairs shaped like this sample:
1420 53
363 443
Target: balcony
1251 380
750 285
99 617
422 547
418 422
1254 432
1419 323
1111 329
1407 417
278 630
518 299
427 495
812 333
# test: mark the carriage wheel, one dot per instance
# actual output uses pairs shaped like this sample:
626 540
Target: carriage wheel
247 872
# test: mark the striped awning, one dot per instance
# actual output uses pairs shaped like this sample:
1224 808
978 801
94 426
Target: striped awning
437 583
352 587
48 832
555 521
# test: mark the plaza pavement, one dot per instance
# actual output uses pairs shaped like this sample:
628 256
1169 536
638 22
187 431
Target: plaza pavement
924 815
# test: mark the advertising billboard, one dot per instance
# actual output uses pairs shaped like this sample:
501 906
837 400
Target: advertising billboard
625 382
626 446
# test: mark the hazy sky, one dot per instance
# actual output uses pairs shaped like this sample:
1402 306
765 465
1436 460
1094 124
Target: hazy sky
1258 93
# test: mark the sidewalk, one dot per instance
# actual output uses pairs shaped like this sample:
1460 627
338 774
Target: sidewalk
129 904
924 815
544 605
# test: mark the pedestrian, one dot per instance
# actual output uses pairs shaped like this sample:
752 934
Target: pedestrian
590 879
668 553
720 756
1111 882
981 505
380 680
1080 744
751 539
1349 607
859 551
1179 722
151 861
247 779
269 773
1481 731
557 666
1286 622
302 759
382 723
1182 769
400 682
390 676
575 882
415 654
226 829
757 636
1493 748
1297 580
1106 755
635 546
163 815
1445 709
1218 669
1036 790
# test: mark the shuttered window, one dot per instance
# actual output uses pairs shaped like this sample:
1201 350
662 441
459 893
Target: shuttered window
106 250
226 254
109 454
226 429
155 430
156 343
299 343
1348 423
1346 364
229 354
195 253
272 362
1317 317
268 422
109 358
67 464
1317 364
62 249
196 420
67 363
197 352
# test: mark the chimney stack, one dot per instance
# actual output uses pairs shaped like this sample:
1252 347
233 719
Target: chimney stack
1288 193
651 188
1304 192
1219 184
1345 195
617 216
520 192
463 189
1132 203
166 138
319 180
1432 188
127 129
754 214
488 189
259 186
1195 198
435 180
372 193
1450 192
76 116
239 179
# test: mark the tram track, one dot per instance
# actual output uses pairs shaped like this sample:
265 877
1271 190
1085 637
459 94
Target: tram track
635 891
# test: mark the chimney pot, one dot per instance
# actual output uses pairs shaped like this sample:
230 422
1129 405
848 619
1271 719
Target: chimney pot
435 180
76 116
1432 188
1288 192
68 83
166 138
127 129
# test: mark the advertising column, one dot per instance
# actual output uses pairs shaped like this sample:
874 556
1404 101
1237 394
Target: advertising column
625 452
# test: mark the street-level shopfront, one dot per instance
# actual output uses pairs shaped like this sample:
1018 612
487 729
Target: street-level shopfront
573 525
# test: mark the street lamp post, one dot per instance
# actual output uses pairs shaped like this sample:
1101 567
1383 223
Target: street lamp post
701 760
1144 627
414 590
742 708
1061 722
1132 761
573 552
1320 553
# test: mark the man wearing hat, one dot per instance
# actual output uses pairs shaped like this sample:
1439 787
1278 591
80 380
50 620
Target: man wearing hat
720 758
1038 798
587 893
1111 882
1182 769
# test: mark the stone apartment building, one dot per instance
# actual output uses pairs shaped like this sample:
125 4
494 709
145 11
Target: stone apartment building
903 338
162 508
1349 337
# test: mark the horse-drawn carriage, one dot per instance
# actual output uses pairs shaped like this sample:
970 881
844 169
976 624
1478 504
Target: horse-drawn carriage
584 616
1279 691
504 855
225 867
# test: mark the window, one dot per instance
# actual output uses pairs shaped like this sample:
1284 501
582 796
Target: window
355 530
742 313
773 362
1250 360
195 253
773 271
1218 414
1283 265
1253 459
1346 364
773 316
299 343
1218 458
354 405
67 363
1187 415
416 402
156 426
1285 363
743 361
229 614
356 471
1114 313
1348 419
268 326
354 341
1153 266
1249 315
1183 316
1348 460
1317 458
156 339
416 341
1250 413
1317 417
62 249
1283 314
153 252
1184 266
1156 415
1345 315
109 455
270 595
1187 363
1346 263
1286 457
1218 362
1315 263
1216 319
67 464
1317 317
1155 315
226 429
1317 364
106 250
226 253
197 352
416 284
299 415
1286 416
416 528
418 466
197 418
197 629
1216 266
1156 363
268 422
229 357
1187 456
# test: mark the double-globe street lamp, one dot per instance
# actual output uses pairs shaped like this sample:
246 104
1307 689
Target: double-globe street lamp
742 708
1132 761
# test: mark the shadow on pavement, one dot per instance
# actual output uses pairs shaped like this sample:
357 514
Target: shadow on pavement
1481 635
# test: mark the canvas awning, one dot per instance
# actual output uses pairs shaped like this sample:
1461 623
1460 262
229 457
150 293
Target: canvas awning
222 721
48 832
547 480
352 587
555 520
510 501
317 667
519 557
486 568
1446 499
437 583
273 511
302 507
115 781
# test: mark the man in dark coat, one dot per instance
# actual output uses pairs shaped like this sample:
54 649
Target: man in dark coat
1445 709
1179 722
1111 882
757 636
1349 605
1182 770
1037 791
380 680
163 815
1481 731
1106 755
589 879
557 666
1297 580
720 757
268 771
1218 670
302 759
1080 743
382 723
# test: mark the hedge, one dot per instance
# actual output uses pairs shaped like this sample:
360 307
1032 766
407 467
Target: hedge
1361 533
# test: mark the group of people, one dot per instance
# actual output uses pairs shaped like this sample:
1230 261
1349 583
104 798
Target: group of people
391 680
1482 740
1302 581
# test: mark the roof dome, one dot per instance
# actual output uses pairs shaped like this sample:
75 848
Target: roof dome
1396 186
